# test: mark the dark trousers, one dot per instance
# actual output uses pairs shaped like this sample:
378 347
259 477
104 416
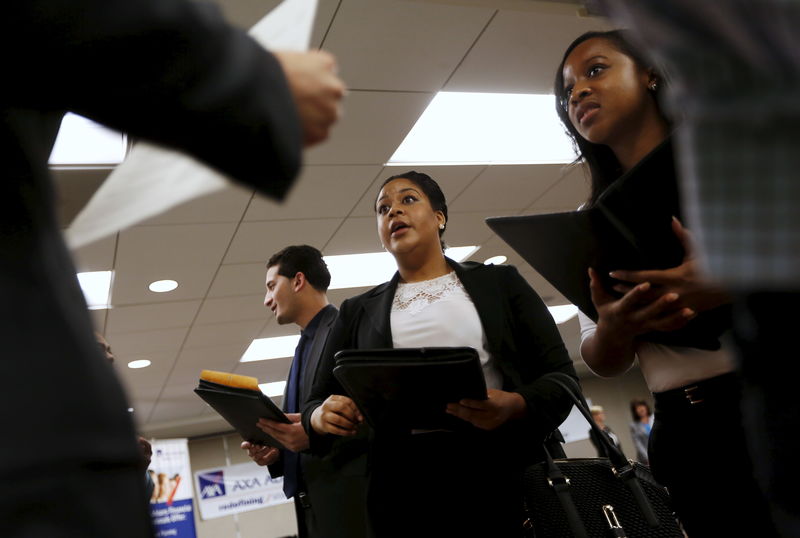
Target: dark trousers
765 327
78 502
444 484
699 452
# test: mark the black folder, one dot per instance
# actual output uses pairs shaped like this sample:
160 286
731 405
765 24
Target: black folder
628 228
409 388
242 408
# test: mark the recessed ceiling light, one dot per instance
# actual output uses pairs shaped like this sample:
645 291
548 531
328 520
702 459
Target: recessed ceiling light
277 347
563 313
162 286
496 260
373 268
82 141
486 128
141 363
96 286
276 388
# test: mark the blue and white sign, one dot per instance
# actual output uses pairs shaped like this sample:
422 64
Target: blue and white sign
236 488
171 504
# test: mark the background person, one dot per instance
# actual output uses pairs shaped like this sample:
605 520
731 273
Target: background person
328 492
444 483
599 416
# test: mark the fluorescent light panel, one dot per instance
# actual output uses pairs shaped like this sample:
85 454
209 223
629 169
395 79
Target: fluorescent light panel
276 388
278 347
82 141
96 286
486 128
373 268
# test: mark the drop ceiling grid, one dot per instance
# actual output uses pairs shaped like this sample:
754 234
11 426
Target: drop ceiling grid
375 123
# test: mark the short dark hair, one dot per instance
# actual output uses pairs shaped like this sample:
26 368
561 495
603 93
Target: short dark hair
603 165
431 190
636 403
302 259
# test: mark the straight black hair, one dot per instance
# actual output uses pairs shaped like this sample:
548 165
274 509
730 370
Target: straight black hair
302 259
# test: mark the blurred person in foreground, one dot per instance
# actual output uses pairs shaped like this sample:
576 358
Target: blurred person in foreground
169 71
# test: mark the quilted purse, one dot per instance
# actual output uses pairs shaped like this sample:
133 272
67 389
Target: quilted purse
595 497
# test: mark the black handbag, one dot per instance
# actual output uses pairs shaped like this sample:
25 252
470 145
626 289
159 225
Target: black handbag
595 497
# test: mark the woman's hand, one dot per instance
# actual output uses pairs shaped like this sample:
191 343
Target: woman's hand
338 415
685 280
499 408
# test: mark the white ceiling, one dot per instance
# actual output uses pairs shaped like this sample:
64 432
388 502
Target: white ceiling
394 55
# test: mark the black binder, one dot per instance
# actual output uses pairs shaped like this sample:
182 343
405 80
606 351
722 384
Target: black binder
242 408
628 228
409 388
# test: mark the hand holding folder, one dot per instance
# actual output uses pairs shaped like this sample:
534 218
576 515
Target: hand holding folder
239 400
409 388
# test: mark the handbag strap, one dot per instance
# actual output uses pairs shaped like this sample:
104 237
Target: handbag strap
561 485
623 469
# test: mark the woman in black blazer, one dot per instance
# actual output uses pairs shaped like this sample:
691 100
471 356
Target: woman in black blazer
465 483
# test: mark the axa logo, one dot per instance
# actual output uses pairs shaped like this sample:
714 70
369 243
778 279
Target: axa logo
212 485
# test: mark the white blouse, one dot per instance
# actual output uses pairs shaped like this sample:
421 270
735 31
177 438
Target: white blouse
439 313
670 367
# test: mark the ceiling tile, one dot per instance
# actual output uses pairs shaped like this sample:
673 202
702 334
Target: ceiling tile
451 179
229 309
223 333
320 192
500 188
470 229
530 45
97 256
390 45
566 195
130 346
227 205
356 235
147 317
189 254
373 126
75 187
257 241
266 371
238 279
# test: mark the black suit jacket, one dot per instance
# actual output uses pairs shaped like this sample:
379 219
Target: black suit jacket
335 483
520 335
168 70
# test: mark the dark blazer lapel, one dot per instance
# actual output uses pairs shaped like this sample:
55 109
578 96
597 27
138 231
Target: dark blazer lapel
378 307
481 286
320 337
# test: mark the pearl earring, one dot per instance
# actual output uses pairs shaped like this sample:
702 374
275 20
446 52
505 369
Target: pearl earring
653 86
441 226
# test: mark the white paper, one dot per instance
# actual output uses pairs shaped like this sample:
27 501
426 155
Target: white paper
153 179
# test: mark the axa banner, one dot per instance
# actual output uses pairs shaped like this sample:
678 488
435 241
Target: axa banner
223 491
171 502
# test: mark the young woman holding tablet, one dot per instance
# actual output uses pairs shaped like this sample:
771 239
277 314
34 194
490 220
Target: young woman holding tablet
607 100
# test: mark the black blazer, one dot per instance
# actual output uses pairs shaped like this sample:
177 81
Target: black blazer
335 483
167 70
520 334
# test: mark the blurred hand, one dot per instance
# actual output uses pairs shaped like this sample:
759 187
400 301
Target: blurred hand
316 89
261 454
146 451
338 415
292 436
499 408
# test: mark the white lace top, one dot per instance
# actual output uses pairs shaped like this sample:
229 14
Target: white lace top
439 312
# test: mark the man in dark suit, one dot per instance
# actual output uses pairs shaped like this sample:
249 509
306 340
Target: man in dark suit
328 493
173 72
